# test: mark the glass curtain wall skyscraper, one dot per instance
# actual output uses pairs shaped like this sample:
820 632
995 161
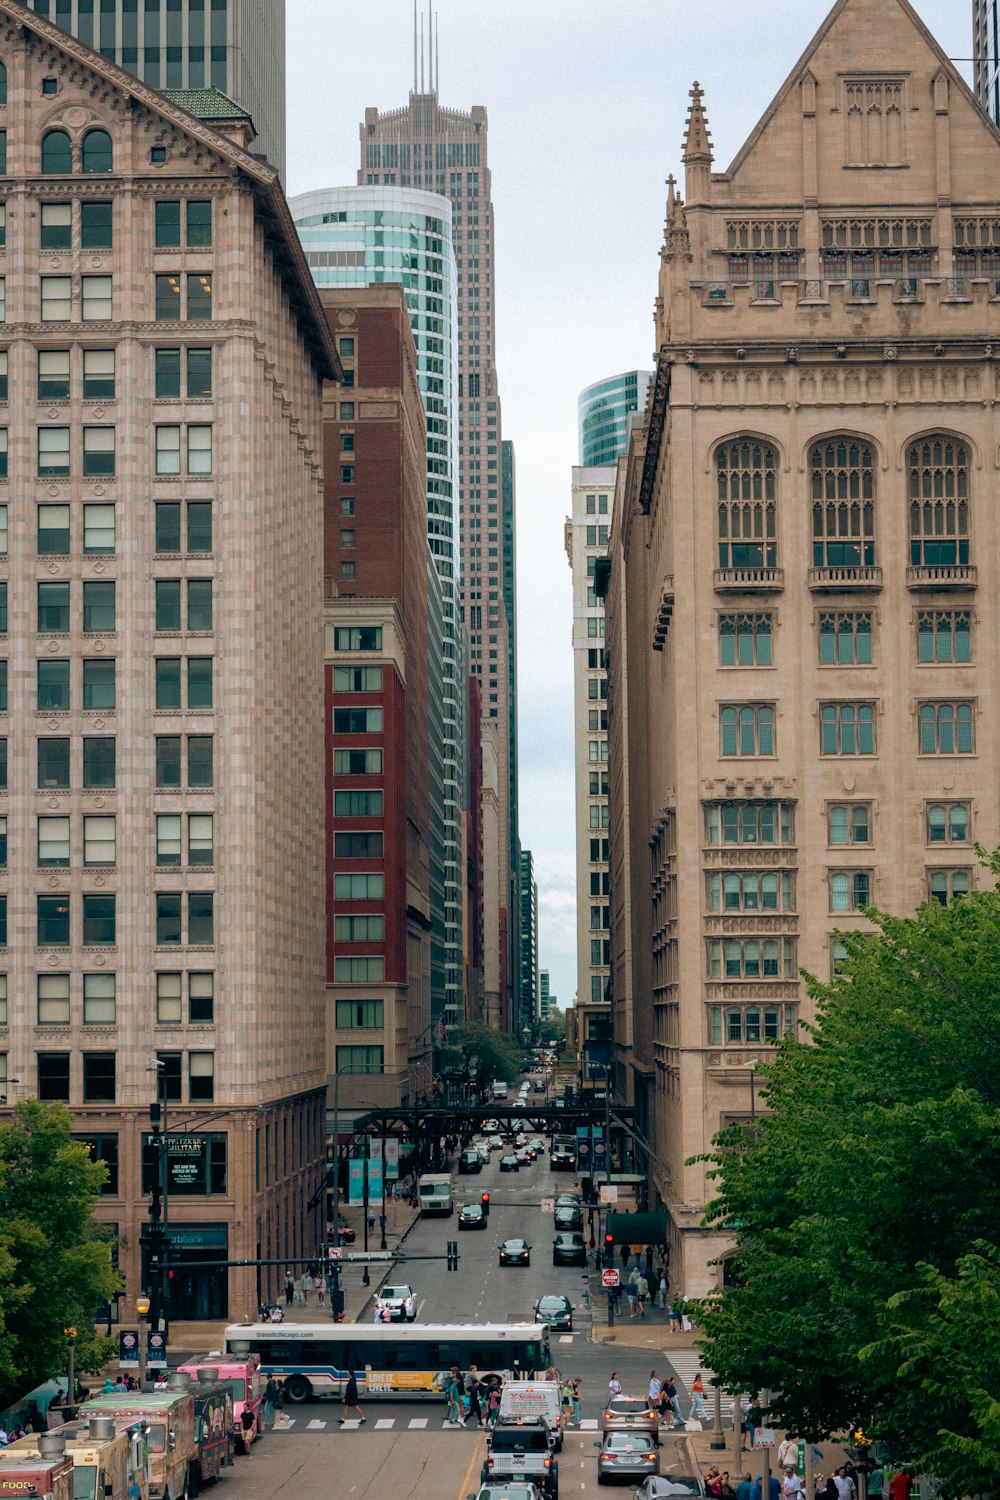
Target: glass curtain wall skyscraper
353 237
236 46
423 145
986 55
604 409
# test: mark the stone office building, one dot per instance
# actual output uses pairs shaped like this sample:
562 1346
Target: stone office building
809 539
163 352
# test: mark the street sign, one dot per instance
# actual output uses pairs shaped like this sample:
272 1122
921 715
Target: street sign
335 1254
547 1205
610 1278
608 1192
763 1437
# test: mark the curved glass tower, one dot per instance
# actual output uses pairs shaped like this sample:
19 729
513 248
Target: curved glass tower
604 410
355 236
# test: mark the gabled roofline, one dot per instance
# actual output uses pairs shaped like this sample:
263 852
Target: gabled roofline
263 177
811 47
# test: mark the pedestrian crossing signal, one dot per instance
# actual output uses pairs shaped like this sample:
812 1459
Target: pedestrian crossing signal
452 1255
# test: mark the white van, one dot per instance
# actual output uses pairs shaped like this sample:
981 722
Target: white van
435 1194
499 1089
533 1398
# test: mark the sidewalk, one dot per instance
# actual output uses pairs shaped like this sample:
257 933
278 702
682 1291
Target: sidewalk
199 1338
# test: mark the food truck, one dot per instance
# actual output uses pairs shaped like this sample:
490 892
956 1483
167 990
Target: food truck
110 1456
44 1476
241 1373
170 1434
213 1426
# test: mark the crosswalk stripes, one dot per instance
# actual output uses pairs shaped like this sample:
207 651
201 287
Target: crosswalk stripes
686 1364
588 1424
384 1424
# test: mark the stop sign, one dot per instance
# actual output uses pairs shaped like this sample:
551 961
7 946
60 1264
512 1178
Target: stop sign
610 1278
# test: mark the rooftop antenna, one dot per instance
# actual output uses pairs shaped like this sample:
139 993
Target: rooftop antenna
437 55
430 42
421 54
414 46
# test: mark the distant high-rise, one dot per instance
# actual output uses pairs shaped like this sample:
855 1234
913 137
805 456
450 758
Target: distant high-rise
986 55
529 939
604 411
423 145
546 1001
235 46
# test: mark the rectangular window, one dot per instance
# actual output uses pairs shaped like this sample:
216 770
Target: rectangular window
359 887
96 226
170 1076
56 226
752 891
199 450
849 889
847 729
948 823
52 608
98 840
53 842
53 999
168 839
53 1075
849 823
168 526
199 374
98 529
52 921
751 958
167 306
357 638
99 375
845 638
98 606
201 918
99 1007
946 886
357 721
357 679
96 299
168 223
57 299
201 999
168 682
357 762
359 929
168 1000
168 760
199 526
201 1077
168 374
200 761
53 764
747 729
745 640
199 223
53 530
200 839
199 682
98 451
357 845
99 684
52 684
168 917
358 804
733 1025
947 728
98 1078
944 635
99 921
53 374
53 452
99 762
168 450
360 1015
199 297
167 592
359 1059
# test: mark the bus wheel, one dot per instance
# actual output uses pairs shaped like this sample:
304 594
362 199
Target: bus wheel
297 1389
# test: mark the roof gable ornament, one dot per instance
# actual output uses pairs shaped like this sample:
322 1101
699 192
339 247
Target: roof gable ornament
697 155
676 240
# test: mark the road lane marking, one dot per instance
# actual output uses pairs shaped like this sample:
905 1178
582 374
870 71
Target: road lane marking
385 1424
351 1422
467 1482
415 1423
315 1425
588 1424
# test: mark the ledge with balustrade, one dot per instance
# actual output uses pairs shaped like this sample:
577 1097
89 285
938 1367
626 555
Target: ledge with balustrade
927 577
767 295
749 580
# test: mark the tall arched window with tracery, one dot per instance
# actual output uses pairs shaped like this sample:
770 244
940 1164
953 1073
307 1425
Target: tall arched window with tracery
746 472
939 503
843 504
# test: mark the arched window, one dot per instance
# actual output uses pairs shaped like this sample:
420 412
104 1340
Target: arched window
747 482
939 503
57 153
843 504
3 83
97 153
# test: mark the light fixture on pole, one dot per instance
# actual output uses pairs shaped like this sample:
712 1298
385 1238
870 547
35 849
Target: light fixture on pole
4 1082
753 1065
142 1312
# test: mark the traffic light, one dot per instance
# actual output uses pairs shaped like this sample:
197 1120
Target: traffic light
452 1255
485 1201
609 1249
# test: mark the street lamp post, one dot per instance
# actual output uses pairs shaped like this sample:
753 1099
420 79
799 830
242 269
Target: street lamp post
142 1312
753 1065
70 1334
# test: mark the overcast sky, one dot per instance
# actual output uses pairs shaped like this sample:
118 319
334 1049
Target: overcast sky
587 104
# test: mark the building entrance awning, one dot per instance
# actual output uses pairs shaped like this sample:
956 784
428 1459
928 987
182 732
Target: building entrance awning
638 1229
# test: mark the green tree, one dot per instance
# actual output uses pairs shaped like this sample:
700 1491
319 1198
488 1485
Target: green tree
491 1054
879 1156
55 1262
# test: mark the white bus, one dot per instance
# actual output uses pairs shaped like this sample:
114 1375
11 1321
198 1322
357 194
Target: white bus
388 1359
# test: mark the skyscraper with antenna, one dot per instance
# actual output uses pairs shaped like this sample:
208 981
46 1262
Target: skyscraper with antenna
425 145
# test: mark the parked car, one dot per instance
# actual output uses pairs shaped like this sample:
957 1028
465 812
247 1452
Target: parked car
401 1301
629 1414
509 1163
471 1217
569 1249
627 1455
515 1253
555 1310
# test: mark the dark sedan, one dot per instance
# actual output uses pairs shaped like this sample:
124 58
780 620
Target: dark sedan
556 1311
569 1249
569 1216
471 1217
515 1253
508 1164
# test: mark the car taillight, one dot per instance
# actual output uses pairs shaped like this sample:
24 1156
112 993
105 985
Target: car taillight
548 1463
608 1415
650 1456
489 1463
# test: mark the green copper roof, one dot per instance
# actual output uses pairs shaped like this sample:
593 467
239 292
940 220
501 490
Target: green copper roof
207 104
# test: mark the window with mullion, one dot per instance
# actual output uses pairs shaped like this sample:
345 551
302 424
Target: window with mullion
843 504
747 505
747 729
849 889
745 640
847 729
845 638
944 635
939 503
947 729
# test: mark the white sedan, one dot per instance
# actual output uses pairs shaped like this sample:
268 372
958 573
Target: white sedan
401 1302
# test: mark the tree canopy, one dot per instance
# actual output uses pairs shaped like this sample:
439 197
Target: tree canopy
55 1261
490 1053
866 1204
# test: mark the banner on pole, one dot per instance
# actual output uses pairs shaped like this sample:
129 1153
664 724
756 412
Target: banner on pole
391 1158
356 1180
156 1351
128 1349
375 1181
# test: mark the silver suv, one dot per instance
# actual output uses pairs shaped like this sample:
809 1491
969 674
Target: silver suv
522 1450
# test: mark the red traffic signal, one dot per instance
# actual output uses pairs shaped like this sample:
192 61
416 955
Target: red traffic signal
485 1201
609 1240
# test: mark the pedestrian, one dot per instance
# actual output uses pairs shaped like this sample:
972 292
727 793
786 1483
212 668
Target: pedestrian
279 1400
577 1398
351 1399
642 1291
675 1316
386 1313
453 1391
289 1288
121 1387
655 1387
321 1288
661 1293
552 1374
698 1399
567 1401
493 1403
649 1260
625 1252
632 1294
791 1484
377 1315
305 1286
270 1399
109 1386
713 1483
675 1401
728 1493
755 1419
846 1488
248 1426
475 1410
4 1436
744 1487
788 1452
614 1385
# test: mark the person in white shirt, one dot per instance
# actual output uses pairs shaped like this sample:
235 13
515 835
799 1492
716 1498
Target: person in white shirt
846 1488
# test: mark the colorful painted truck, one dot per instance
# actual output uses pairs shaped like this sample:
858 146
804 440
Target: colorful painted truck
170 1433
241 1373
43 1477
110 1456
213 1426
